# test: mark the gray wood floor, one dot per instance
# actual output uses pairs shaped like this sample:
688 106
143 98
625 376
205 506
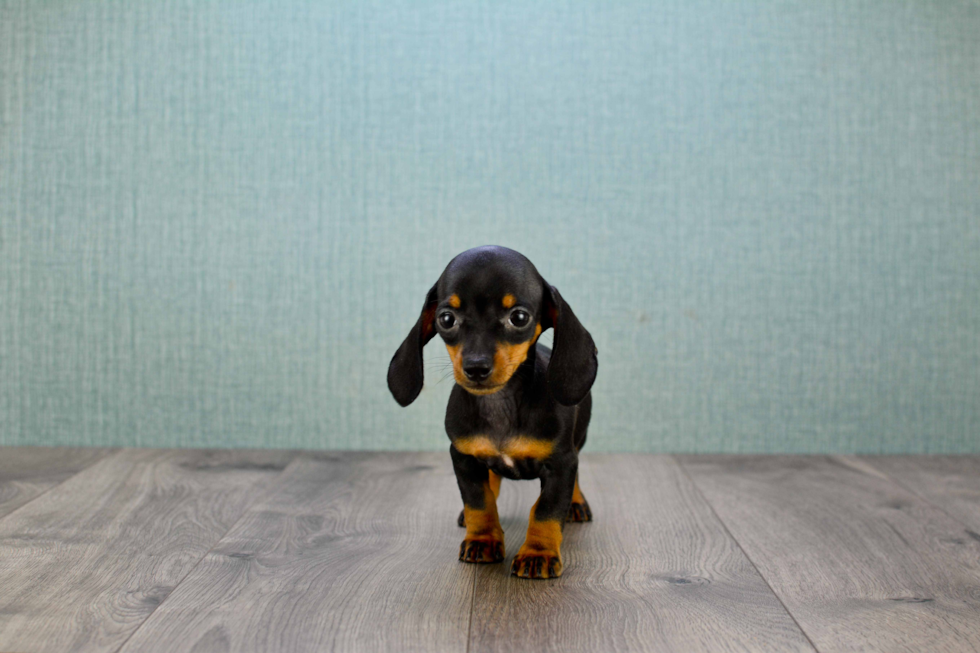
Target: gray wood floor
192 550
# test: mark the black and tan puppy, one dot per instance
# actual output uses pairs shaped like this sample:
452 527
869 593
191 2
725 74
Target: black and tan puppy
518 410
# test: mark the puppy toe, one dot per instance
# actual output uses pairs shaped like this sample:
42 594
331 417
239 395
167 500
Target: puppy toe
579 512
481 551
536 565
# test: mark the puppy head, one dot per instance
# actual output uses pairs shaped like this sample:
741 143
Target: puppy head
489 306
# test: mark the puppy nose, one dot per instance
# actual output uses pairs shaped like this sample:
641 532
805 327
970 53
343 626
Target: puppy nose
477 369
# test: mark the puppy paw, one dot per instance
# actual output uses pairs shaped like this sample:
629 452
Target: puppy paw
537 564
481 551
579 512
461 520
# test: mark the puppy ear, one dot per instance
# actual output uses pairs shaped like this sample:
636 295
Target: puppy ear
574 359
405 372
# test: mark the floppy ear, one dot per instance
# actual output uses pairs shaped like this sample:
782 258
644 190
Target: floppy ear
574 360
405 370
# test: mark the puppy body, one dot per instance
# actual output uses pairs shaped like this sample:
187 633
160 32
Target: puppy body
520 431
518 410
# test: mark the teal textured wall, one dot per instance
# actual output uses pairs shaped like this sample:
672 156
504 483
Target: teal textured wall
218 220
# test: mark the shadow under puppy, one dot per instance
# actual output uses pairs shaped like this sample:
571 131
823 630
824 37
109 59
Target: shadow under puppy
518 410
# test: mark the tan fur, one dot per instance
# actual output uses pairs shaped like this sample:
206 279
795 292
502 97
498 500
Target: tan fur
456 356
483 525
517 447
542 537
495 484
543 541
506 359
478 445
577 496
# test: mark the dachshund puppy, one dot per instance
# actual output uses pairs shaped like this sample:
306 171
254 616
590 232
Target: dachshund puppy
518 410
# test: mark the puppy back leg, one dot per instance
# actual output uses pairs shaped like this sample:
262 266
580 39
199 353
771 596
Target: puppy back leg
579 511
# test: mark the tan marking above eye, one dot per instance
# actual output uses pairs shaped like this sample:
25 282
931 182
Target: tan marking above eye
508 300
454 301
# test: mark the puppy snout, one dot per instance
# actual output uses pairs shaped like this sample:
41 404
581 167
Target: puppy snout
477 368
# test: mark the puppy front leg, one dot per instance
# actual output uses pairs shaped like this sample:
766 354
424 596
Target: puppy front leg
495 487
540 555
484 541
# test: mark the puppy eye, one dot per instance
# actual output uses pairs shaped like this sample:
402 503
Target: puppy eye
520 318
447 320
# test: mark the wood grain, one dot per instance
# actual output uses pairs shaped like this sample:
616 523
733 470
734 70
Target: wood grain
83 565
357 552
350 552
27 472
950 482
861 563
655 571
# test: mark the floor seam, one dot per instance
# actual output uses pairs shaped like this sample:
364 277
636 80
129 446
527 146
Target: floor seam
109 454
765 580
206 553
469 628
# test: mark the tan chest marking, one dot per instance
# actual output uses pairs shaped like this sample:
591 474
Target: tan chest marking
519 447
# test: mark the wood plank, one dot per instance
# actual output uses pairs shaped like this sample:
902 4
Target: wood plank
950 482
861 563
655 571
27 472
83 565
350 552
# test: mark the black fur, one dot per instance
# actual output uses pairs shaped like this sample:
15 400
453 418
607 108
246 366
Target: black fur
405 372
574 362
546 400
